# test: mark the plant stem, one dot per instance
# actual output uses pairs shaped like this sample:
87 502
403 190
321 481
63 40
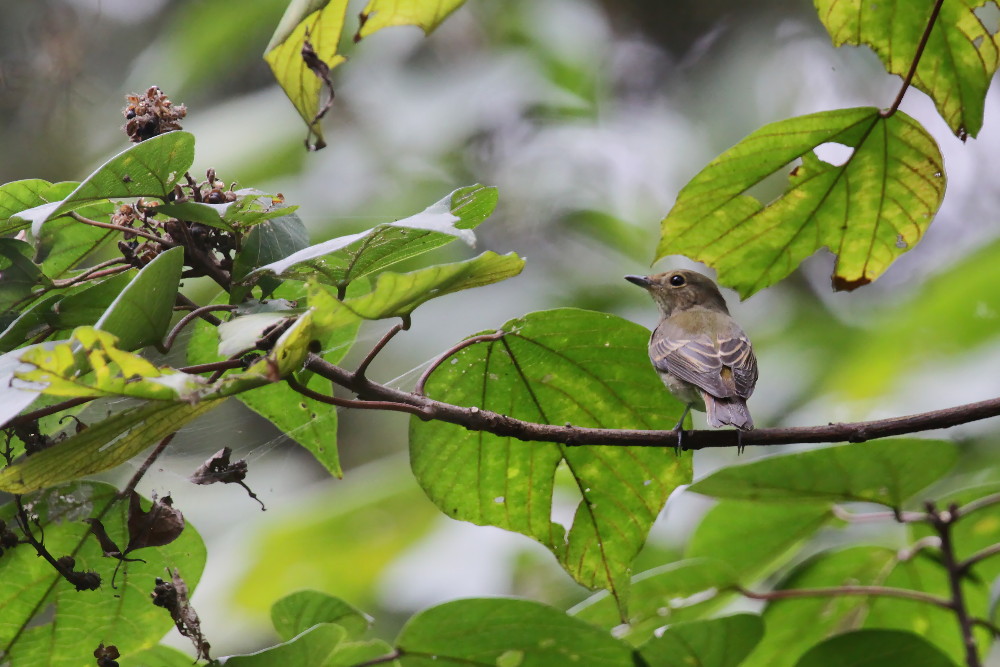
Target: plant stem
942 521
921 45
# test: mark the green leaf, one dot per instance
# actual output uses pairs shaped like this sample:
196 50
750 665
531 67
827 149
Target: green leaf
398 294
147 169
316 646
344 259
302 610
16 197
29 323
884 471
19 273
141 313
718 642
794 625
60 626
957 64
64 243
86 306
875 648
268 242
506 632
114 372
556 367
425 14
936 625
193 211
868 210
101 446
321 22
673 593
753 538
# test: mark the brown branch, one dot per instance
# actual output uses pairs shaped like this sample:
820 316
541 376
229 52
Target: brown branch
96 271
841 591
980 555
348 403
184 302
458 347
187 319
121 228
942 521
921 45
363 366
478 419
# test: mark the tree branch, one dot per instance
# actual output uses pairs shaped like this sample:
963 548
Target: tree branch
128 230
478 419
942 522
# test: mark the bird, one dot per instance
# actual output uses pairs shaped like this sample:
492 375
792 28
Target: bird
702 355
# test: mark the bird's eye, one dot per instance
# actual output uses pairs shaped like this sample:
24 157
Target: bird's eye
677 280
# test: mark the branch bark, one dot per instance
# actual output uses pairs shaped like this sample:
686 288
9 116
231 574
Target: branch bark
478 419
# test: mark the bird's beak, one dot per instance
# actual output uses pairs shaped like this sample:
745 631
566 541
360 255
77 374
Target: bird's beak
641 281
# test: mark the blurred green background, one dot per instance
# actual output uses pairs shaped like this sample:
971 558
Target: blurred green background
589 116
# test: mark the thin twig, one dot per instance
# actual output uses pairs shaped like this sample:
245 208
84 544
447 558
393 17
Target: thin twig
214 367
479 419
96 271
942 522
185 302
921 45
382 659
121 228
29 417
872 517
140 473
363 366
841 591
980 555
348 403
978 504
187 319
455 349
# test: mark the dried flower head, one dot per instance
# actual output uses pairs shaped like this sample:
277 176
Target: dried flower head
151 114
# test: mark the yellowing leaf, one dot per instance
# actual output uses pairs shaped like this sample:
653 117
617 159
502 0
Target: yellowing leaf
957 64
114 372
425 14
868 210
320 22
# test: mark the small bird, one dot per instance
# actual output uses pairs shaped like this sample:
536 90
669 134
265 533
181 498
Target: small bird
700 352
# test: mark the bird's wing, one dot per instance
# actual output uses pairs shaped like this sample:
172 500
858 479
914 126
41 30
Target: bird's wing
724 369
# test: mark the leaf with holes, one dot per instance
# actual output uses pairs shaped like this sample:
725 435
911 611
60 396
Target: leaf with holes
44 621
341 260
868 210
959 60
425 14
318 22
556 367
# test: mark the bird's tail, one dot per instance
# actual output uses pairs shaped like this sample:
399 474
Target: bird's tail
732 411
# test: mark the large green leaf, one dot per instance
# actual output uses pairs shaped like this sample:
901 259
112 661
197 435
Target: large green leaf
86 306
957 64
20 274
50 623
883 471
339 261
506 632
875 648
64 243
868 210
270 241
753 538
101 446
316 646
147 169
556 367
718 642
139 316
425 14
320 22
